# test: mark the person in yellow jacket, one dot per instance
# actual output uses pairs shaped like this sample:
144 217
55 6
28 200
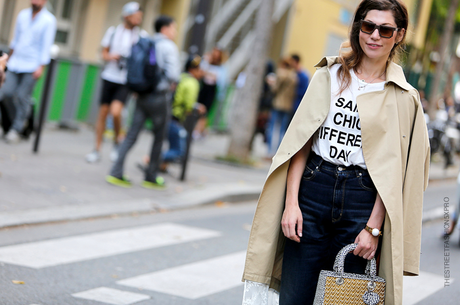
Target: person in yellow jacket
185 99
351 168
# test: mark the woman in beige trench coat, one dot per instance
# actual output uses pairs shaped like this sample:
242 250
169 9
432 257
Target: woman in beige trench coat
395 149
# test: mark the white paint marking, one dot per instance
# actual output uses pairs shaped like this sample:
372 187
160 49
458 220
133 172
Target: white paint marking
194 280
111 296
417 288
96 245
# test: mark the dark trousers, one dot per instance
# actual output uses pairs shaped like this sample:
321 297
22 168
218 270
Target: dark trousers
17 91
336 203
154 106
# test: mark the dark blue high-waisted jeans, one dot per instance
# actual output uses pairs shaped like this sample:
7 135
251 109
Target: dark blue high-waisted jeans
336 203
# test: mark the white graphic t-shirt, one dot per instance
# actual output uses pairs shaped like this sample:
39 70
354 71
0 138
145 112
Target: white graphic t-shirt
338 140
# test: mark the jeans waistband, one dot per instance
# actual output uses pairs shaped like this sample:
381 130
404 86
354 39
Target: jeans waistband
320 162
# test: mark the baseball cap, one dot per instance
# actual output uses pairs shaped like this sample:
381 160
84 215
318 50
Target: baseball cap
130 8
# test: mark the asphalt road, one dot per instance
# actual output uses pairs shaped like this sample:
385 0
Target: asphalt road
441 257
437 191
185 257
195 255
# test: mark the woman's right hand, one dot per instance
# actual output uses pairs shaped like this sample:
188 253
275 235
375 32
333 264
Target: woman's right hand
292 221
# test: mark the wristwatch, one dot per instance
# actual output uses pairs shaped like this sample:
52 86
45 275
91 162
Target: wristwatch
373 231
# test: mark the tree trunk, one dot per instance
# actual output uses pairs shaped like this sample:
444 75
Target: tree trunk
247 99
443 50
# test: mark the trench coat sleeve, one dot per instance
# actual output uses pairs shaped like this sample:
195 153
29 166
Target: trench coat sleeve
266 241
415 183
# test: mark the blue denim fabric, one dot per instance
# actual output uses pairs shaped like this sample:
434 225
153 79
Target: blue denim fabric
177 138
18 89
280 120
336 203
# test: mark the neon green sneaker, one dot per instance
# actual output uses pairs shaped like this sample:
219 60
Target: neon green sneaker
158 184
123 182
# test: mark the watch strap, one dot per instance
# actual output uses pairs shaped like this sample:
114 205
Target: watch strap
369 229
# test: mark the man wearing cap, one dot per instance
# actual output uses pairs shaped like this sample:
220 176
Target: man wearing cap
29 53
116 43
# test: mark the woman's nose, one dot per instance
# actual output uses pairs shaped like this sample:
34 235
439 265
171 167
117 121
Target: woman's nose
375 34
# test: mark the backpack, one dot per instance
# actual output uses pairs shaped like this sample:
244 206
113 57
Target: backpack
144 74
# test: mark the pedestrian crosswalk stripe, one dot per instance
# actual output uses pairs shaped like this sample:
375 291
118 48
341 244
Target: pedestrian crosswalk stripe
111 296
96 245
417 288
194 280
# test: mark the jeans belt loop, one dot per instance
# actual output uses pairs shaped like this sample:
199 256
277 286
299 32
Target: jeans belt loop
320 162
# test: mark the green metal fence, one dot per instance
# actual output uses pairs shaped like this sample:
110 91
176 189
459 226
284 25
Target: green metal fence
74 91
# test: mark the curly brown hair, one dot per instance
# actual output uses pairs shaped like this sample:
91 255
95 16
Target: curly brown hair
351 59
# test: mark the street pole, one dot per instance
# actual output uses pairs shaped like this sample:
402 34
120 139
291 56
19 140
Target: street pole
45 97
189 125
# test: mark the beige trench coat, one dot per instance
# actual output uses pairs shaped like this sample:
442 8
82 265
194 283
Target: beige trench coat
396 152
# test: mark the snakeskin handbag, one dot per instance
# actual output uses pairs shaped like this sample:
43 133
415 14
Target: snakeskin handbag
337 287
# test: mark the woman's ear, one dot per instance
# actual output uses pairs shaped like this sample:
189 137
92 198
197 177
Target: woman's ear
400 36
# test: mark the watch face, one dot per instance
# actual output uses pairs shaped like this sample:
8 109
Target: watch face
375 232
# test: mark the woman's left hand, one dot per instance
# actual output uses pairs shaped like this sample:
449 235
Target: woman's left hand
367 245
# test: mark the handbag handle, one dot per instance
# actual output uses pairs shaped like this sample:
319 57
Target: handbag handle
371 267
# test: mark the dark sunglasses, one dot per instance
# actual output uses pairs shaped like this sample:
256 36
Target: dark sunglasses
384 30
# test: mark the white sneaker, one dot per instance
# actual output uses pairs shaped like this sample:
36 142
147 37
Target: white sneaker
93 157
12 136
114 153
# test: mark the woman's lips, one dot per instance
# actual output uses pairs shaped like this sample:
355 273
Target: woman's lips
373 46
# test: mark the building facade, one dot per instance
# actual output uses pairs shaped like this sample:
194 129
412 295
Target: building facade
318 28
311 28
81 25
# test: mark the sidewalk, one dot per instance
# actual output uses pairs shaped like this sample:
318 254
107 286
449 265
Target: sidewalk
58 185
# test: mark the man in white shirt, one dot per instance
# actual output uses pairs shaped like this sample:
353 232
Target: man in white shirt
29 54
116 43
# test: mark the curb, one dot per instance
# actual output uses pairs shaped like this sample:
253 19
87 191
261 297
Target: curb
232 192
235 192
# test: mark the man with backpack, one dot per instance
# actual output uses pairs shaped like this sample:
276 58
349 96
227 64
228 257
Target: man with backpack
154 105
116 43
